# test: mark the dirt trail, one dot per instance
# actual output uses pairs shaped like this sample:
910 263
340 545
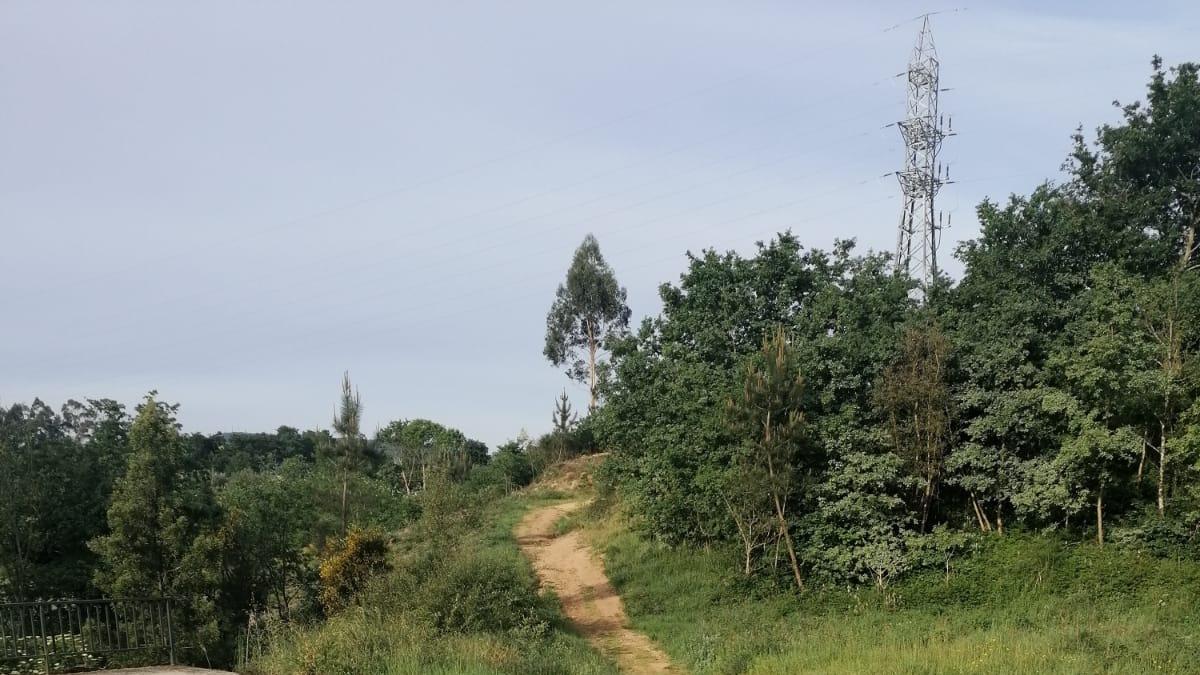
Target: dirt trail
568 565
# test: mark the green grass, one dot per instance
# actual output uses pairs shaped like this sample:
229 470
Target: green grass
375 638
1021 604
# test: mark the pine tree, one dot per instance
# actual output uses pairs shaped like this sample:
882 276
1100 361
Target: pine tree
350 441
768 416
563 418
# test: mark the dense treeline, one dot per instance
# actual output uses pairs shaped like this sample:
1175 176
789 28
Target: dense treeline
804 405
241 528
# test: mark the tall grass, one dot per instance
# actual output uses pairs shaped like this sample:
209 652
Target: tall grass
1020 605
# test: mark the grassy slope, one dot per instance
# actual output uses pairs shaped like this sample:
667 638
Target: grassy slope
1022 604
367 640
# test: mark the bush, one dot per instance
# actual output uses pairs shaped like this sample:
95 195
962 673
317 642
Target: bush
347 565
513 464
508 470
559 446
486 591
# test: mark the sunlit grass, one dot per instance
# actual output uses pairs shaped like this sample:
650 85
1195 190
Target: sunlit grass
1023 604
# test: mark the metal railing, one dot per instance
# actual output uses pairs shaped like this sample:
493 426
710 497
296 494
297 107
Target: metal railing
61 635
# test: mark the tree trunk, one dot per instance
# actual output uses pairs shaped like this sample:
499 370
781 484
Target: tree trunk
925 501
1100 517
1162 471
591 365
745 533
284 604
984 525
1142 461
345 489
787 540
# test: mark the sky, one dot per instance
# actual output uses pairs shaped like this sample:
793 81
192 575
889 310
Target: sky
234 202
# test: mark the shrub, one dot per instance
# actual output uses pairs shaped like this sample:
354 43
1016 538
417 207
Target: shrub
514 466
487 591
348 563
508 470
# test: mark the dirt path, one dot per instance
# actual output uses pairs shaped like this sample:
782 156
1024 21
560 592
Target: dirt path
568 565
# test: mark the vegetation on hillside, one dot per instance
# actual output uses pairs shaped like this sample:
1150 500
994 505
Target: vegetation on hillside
245 531
460 599
1054 389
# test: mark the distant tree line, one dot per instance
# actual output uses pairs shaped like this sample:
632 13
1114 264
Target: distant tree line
101 502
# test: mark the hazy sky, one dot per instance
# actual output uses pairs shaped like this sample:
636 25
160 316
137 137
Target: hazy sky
233 202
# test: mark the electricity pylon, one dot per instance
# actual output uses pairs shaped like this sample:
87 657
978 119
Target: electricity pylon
923 175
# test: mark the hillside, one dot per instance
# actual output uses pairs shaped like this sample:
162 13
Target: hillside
1015 603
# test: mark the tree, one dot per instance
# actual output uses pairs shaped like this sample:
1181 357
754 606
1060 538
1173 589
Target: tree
1093 457
1109 370
511 462
53 492
162 526
418 446
589 311
350 441
1144 176
268 522
751 509
564 420
768 416
663 418
476 451
1171 310
916 398
137 558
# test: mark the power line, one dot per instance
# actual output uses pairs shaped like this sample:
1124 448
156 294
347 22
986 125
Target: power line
577 220
567 209
337 331
343 325
530 149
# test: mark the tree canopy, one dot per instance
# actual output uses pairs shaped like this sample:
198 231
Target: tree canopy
589 311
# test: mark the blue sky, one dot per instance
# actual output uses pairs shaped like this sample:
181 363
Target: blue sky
233 202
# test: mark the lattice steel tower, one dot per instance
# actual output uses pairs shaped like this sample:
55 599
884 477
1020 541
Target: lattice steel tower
922 175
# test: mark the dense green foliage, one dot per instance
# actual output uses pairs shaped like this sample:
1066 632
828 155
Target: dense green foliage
589 311
235 527
1054 387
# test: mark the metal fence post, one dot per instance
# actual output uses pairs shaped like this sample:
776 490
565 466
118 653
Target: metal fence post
170 635
45 645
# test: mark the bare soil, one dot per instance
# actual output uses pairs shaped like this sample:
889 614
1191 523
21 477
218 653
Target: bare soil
570 567
570 476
